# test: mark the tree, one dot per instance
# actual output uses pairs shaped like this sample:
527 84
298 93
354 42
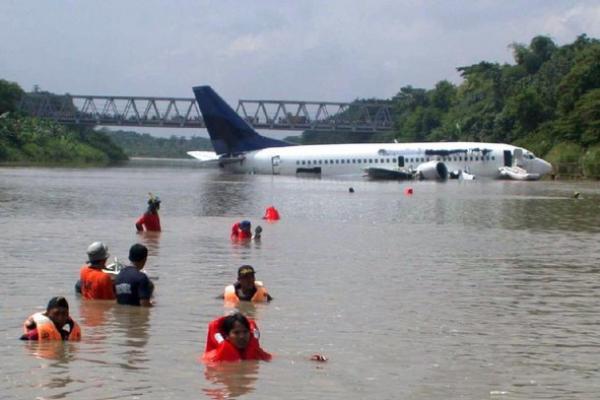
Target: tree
10 95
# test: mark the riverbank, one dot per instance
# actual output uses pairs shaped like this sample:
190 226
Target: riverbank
27 141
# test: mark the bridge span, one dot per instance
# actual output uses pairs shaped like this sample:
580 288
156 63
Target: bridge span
179 112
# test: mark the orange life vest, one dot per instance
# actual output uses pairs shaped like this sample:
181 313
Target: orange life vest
232 299
47 330
219 349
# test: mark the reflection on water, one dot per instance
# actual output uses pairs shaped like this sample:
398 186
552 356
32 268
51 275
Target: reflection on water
132 323
230 380
468 290
152 241
60 352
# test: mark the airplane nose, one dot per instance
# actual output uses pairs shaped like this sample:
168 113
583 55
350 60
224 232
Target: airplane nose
544 166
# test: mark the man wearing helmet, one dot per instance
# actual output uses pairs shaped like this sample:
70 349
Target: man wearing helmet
96 284
150 220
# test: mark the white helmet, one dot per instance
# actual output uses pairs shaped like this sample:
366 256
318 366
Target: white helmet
97 251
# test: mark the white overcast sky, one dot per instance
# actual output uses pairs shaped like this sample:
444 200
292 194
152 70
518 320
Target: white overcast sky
336 50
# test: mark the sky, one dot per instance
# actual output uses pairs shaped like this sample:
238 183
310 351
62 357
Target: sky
321 50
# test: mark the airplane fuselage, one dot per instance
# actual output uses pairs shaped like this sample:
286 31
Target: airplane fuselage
479 159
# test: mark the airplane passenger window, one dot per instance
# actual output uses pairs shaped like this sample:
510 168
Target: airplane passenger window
370 160
342 161
394 160
493 158
308 162
303 162
337 161
297 162
330 161
365 160
459 158
325 161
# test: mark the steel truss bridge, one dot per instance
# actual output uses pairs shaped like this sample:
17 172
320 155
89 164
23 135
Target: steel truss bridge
179 112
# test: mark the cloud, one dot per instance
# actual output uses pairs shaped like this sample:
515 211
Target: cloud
581 18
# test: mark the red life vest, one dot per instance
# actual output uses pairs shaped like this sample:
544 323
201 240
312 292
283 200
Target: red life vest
219 349
238 233
271 214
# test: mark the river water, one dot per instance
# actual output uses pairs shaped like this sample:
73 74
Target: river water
464 290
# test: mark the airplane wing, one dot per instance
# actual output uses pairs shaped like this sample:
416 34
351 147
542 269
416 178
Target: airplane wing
385 173
204 155
210 158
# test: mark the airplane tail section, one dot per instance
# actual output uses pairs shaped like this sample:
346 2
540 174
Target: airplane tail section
228 132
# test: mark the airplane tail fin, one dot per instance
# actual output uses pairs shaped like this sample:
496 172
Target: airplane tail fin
228 132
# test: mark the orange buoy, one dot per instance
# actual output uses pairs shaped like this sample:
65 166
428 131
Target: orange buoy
408 191
271 214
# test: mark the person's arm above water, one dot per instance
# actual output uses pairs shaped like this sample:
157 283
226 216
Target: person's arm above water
145 292
30 335
139 224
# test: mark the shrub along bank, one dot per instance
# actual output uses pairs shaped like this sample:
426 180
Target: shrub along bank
30 141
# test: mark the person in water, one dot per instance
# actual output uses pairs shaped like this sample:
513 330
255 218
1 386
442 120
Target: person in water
243 231
233 338
95 284
150 221
54 324
133 287
247 288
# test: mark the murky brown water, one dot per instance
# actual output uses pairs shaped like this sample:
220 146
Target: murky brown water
472 290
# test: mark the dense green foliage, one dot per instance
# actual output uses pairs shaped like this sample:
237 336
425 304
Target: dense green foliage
10 95
143 145
27 140
548 101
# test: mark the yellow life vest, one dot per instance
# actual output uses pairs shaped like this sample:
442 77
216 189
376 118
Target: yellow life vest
232 299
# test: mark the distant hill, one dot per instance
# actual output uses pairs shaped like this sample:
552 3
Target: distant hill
144 145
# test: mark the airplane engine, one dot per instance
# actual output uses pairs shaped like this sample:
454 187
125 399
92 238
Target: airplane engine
432 170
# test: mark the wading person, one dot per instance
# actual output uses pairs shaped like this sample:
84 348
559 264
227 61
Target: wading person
54 324
133 287
243 231
95 284
150 221
233 338
246 288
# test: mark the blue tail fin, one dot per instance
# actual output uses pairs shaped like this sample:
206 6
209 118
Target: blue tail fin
229 133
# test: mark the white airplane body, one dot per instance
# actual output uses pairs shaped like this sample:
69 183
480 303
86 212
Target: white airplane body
241 149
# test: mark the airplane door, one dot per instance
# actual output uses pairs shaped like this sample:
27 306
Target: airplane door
401 161
518 157
507 158
275 162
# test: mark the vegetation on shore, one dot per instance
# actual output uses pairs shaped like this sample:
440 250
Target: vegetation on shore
144 145
30 141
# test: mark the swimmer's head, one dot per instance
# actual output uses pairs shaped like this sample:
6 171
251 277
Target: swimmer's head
245 225
58 311
246 277
236 329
